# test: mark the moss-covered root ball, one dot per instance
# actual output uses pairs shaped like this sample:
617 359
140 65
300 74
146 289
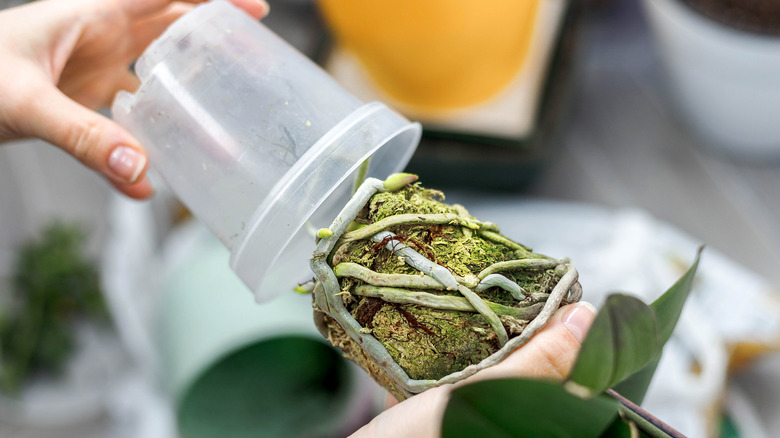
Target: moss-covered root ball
420 293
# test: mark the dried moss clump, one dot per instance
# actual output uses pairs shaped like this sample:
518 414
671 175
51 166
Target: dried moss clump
428 329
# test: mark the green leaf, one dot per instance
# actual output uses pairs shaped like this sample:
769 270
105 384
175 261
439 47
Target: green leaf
622 347
635 386
618 429
621 341
524 408
667 308
669 305
644 423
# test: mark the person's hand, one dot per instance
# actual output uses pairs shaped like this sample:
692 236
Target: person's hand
59 59
548 355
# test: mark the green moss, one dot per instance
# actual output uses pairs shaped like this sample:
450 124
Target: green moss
410 199
430 343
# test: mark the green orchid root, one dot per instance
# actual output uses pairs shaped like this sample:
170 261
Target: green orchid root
420 293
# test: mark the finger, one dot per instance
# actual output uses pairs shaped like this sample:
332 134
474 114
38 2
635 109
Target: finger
390 401
552 352
90 137
255 8
127 81
419 416
147 30
96 92
140 190
142 8
139 9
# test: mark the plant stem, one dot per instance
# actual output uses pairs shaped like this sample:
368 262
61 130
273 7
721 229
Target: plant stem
501 240
649 424
443 302
354 270
411 218
462 212
348 269
487 312
361 174
508 285
511 265
416 260
575 293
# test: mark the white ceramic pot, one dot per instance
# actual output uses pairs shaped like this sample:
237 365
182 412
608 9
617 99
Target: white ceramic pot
726 81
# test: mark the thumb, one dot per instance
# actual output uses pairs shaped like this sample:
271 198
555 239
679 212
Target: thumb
92 138
552 352
548 355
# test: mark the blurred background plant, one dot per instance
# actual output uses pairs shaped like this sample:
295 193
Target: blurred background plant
53 288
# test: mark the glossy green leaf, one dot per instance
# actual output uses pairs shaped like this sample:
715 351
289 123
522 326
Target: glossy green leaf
669 305
618 429
524 408
621 341
667 308
635 386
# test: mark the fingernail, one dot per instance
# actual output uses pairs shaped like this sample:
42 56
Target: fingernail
579 318
265 5
126 163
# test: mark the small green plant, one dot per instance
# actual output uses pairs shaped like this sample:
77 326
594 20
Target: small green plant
53 287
